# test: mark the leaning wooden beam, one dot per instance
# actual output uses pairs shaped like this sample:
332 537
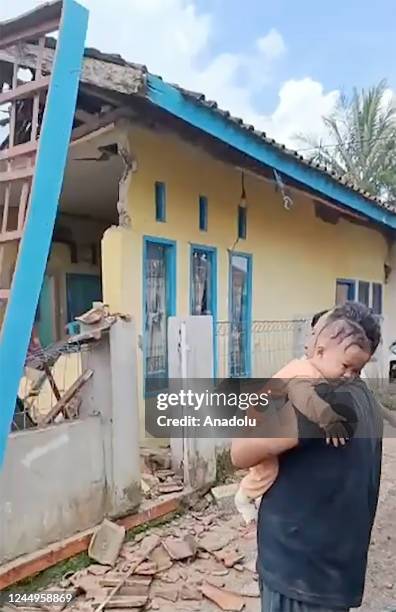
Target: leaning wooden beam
68 396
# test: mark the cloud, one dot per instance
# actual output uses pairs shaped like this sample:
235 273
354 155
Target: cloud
272 45
173 38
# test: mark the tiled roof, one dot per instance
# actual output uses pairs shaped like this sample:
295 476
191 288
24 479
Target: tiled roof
200 98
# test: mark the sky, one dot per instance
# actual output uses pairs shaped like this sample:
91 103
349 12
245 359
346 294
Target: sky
278 64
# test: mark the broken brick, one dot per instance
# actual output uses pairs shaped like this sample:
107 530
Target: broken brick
165 592
216 581
229 556
215 540
224 599
128 602
188 592
147 568
149 543
179 549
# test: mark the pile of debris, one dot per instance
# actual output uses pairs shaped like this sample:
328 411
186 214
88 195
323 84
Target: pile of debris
197 562
158 478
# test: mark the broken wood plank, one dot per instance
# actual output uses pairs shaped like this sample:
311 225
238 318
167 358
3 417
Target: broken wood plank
70 393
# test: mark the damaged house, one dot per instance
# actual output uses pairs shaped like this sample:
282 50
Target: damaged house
170 206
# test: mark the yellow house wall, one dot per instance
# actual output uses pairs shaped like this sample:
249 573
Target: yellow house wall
296 257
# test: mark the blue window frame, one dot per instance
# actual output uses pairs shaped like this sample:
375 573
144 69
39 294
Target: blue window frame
160 202
345 291
203 287
240 309
377 299
159 303
242 222
203 213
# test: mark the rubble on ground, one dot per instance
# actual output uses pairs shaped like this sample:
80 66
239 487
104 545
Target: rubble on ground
188 564
158 477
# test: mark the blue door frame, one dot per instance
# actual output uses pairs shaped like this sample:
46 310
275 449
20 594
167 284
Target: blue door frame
169 247
212 256
246 323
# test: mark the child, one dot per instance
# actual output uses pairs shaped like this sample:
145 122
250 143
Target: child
338 349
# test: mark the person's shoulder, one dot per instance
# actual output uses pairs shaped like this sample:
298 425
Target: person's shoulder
296 367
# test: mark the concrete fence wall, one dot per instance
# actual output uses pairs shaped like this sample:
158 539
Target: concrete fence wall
65 478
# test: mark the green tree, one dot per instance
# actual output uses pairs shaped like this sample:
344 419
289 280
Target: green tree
361 141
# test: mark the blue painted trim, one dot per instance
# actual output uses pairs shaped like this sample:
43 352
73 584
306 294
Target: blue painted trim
208 120
249 258
213 252
171 287
160 201
45 193
203 213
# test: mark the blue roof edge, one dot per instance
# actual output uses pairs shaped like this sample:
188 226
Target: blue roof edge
171 99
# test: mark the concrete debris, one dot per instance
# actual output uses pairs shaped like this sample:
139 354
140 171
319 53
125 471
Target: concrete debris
216 540
223 572
190 593
99 570
239 567
127 602
229 556
162 475
158 459
106 543
149 543
170 487
248 590
161 558
224 497
147 568
164 591
226 600
216 581
179 549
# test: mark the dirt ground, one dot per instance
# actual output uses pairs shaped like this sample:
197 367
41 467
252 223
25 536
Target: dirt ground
208 550
380 594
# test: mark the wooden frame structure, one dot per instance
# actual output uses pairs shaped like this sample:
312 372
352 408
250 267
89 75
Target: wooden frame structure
31 173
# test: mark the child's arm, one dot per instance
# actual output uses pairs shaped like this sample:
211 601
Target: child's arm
302 394
388 415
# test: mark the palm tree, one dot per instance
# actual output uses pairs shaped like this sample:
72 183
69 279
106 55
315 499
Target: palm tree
361 141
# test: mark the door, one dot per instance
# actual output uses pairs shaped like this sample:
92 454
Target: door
204 288
240 315
159 305
82 290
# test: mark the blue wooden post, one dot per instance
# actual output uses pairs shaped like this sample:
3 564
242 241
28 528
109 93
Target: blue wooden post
46 190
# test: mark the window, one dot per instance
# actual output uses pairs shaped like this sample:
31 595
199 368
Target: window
242 222
203 213
364 292
345 291
160 202
377 298
240 315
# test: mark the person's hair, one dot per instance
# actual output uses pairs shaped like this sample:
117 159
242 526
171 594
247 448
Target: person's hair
343 330
317 316
360 314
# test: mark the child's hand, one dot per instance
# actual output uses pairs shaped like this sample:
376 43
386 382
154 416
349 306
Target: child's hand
336 434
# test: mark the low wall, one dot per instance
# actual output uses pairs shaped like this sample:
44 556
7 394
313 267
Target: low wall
51 486
62 479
